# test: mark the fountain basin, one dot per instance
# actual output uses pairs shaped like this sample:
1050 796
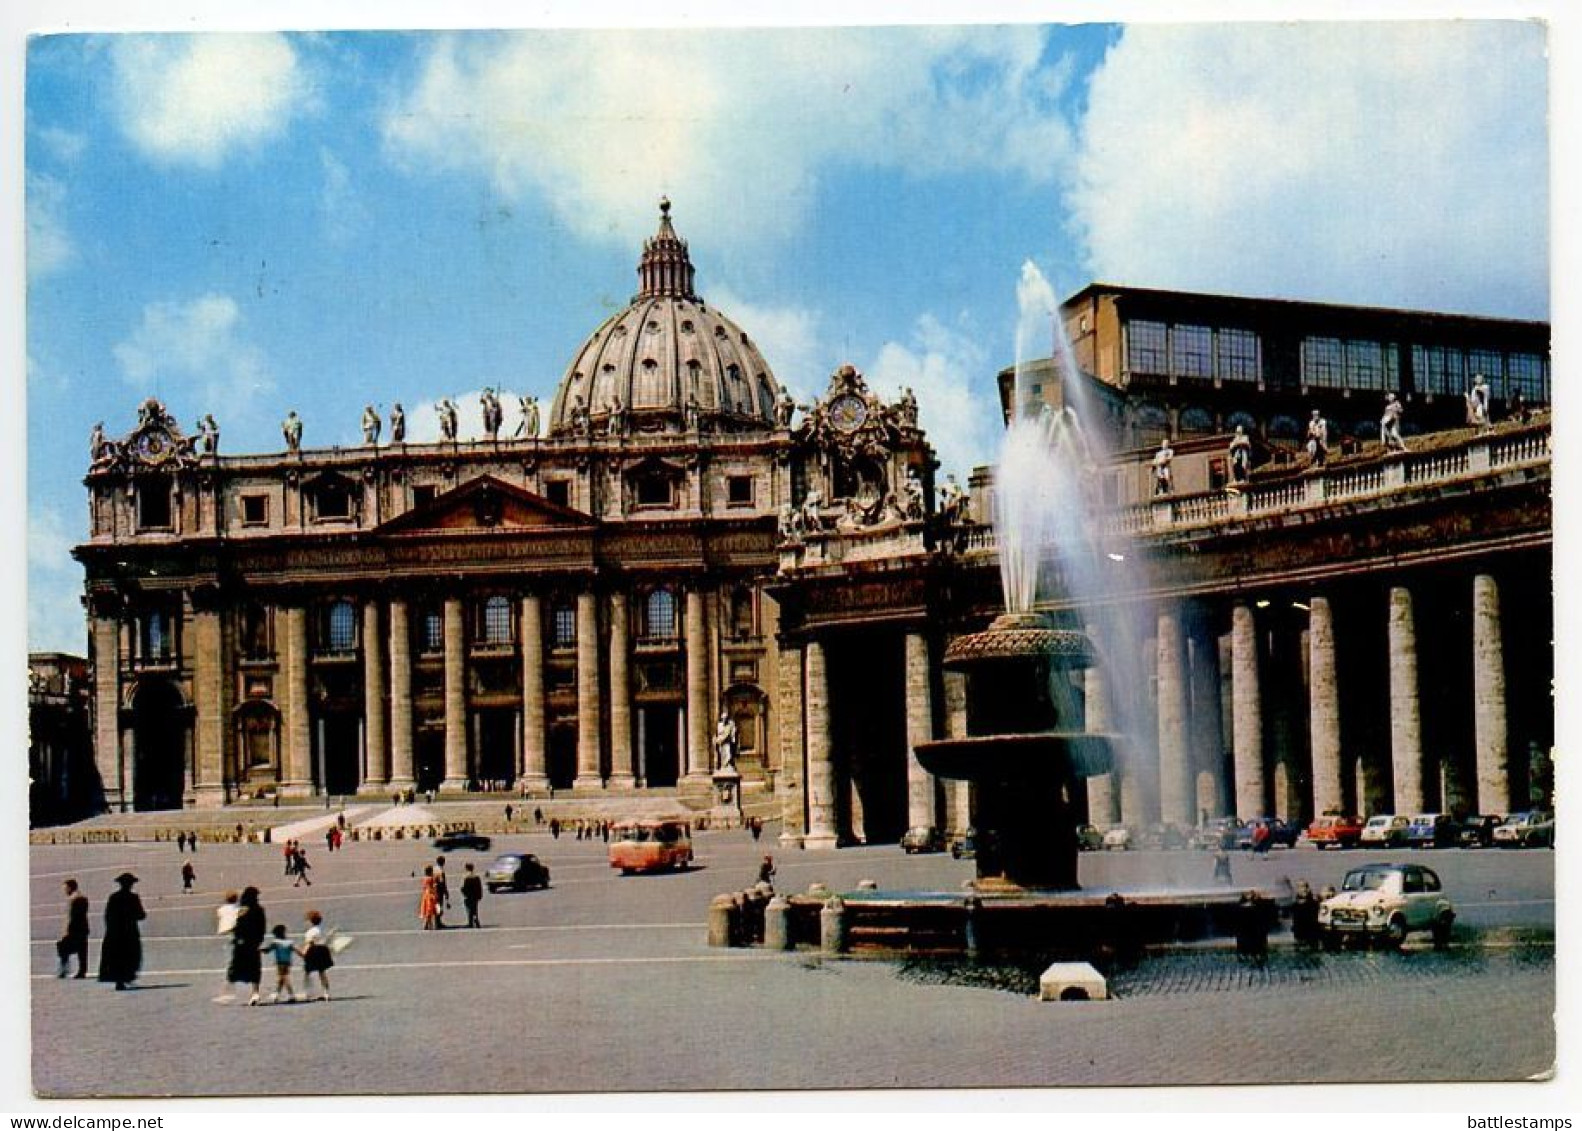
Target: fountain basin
1018 757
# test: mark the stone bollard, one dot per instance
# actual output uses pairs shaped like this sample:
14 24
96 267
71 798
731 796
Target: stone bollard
832 926
777 924
720 915
969 929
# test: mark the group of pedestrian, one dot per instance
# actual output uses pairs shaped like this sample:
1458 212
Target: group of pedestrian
297 865
592 829
121 955
188 841
434 896
243 919
333 838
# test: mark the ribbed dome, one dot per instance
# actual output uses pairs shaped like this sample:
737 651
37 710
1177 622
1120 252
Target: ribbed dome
664 351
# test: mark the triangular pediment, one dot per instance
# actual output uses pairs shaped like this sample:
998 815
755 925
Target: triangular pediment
487 504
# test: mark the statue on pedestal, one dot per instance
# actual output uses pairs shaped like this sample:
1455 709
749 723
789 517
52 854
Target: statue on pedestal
492 414
580 424
291 429
397 424
790 524
1163 481
1478 403
371 425
446 411
1390 424
528 428
784 408
914 494
725 740
615 423
100 450
1317 439
1240 457
952 500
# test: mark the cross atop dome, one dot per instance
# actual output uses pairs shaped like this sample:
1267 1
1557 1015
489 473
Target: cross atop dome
665 270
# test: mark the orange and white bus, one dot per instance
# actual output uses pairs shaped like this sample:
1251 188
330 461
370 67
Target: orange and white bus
651 846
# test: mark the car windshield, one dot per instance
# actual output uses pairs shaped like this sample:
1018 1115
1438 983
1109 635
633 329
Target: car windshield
1365 880
1378 822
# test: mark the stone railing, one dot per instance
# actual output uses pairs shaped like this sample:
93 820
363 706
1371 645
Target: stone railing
839 547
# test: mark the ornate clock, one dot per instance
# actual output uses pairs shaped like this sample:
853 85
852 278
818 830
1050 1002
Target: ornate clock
848 412
154 446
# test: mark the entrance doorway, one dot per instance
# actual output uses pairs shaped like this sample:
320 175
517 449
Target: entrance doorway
496 745
341 756
429 755
562 755
159 734
658 728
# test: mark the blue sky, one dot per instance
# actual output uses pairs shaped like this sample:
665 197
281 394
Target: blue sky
248 224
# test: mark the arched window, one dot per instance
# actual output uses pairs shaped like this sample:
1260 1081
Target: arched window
497 620
742 611
659 616
649 390
341 627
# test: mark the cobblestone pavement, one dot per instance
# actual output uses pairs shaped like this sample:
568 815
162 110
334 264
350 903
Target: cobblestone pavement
604 983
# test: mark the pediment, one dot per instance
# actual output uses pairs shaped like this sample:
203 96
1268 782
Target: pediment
487 504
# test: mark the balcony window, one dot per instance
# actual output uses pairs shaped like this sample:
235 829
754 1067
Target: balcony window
1146 348
255 510
256 641
432 640
154 508
659 616
1364 365
340 627
497 620
1527 374
564 625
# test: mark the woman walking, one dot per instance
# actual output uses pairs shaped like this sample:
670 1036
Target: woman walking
121 956
316 956
247 939
428 901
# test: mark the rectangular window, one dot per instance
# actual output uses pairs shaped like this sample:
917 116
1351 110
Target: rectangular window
1527 373
424 494
1146 350
340 628
739 490
655 491
256 643
333 502
1192 351
1364 365
433 632
1323 361
1490 363
1240 355
1392 365
255 510
1440 369
497 621
565 627
558 491
153 503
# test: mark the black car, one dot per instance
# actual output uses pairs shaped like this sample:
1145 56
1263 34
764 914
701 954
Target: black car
1477 831
451 841
1280 832
965 846
923 838
517 871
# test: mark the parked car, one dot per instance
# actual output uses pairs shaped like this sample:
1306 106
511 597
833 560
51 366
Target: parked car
1089 838
1477 831
1280 832
1385 830
1431 830
1117 839
965 846
1384 903
452 841
517 871
1526 830
922 838
1218 833
1334 830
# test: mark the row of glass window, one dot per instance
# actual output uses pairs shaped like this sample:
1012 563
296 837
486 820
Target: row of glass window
1159 349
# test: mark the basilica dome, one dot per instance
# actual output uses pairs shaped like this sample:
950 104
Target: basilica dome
667 357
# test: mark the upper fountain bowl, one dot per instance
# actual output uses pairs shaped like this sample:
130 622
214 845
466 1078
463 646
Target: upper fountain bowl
1021 637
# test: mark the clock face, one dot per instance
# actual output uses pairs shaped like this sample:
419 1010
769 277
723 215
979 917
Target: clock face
153 446
848 413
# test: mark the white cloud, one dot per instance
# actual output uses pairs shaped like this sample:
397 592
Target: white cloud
1390 164
55 614
422 422
741 125
197 348
192 100
940 365
340 206
49 243
788 337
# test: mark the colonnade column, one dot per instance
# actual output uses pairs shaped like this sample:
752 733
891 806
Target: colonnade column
820 763
211 720
374 699
958 794
107 710
1323 708
1206 745
588 714
1406 725
1247 711
792 751
455 696
919 729
297 753
534 768
1100 719
400 697
1176 787
623 771
700 722
1489 725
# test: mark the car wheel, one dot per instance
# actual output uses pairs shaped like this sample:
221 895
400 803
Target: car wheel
1442 927
1395 933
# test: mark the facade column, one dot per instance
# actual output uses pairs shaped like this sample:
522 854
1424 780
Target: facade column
377 764
1099 717
1176 787
700 720
1324 708
588 713
958 794
534 766
1406 724
792 750
1491 734
107 712
455 696
211 721
400 697
919 729
1207 745
296 770
623 771
1247 709
820 756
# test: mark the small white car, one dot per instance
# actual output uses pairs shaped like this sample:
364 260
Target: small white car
1385 831
1117 839
1384 903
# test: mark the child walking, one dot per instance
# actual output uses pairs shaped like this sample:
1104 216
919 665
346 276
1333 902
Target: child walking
316 956
280 947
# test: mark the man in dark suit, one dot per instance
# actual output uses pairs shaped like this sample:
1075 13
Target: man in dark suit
75 940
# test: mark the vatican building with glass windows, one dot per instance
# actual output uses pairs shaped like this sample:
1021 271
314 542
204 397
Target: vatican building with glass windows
581 609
